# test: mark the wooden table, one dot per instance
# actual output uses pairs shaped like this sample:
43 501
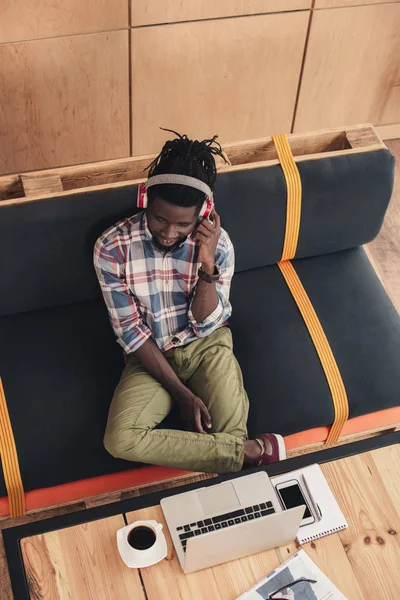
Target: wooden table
82 562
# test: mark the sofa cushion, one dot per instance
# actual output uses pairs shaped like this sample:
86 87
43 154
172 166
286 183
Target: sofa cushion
60 366
283 376
344 201
46 246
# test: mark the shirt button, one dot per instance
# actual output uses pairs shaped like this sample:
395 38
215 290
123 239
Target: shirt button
175 340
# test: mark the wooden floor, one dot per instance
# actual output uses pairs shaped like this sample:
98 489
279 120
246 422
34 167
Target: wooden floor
384 254
362 561
384 251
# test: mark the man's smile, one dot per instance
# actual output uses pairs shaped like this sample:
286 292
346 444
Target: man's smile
167 242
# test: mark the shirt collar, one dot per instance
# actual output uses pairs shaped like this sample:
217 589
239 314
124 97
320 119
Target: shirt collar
149 236
145 227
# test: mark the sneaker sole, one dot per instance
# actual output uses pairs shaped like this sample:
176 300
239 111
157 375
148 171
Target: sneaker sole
281 447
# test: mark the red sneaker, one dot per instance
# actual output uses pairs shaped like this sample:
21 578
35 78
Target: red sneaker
277 445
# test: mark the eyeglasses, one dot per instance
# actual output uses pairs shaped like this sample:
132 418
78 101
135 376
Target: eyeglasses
289 585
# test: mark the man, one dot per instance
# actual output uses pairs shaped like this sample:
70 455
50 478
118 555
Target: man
165 275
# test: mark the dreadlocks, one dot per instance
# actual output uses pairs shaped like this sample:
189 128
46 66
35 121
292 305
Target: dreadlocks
183 156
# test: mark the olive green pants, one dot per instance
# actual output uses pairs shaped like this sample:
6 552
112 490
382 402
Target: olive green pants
210 370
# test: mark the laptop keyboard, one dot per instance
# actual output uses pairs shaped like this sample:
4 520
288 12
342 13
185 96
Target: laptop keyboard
222 521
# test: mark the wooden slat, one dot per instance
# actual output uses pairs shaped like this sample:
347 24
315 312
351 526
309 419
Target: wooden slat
345 439
31 19
370 543
148 12
37 186
80 562
6 522
351 67
305 146
257 165
362 137
235 577
338 570
64 101
387 461
83 176
264 149
212 69
246 154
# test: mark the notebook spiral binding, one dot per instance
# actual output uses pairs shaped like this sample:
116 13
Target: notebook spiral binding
323 534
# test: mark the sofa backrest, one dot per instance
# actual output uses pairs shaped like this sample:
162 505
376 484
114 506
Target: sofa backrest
344 201
46 246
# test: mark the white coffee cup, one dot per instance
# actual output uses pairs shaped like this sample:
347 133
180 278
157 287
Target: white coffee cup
140 548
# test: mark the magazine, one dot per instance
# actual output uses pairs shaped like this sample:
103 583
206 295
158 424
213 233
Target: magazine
298 578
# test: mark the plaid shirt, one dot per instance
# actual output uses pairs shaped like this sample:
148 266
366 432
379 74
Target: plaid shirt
149 293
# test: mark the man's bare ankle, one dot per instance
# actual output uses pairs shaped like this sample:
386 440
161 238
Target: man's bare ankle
252 450
255 448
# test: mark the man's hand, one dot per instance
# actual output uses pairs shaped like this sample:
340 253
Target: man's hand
194 412
207 236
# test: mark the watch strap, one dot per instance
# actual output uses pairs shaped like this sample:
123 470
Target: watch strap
210 278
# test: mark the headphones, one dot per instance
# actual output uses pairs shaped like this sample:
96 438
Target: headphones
192 182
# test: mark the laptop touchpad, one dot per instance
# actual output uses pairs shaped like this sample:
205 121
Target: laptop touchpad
220 498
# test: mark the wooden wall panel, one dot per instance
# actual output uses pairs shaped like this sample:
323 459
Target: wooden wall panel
351 66
341 3
235 77
33 19
64 101
147 12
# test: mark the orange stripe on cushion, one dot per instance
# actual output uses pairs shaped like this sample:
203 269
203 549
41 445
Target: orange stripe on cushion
376 420
94 486
325 354
72 492
9 460
294 192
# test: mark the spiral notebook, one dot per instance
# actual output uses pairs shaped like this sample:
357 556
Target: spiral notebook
328 516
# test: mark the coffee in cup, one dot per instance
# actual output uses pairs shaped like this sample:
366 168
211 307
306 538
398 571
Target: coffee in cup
141 537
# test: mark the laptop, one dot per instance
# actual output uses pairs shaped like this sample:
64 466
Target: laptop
229 520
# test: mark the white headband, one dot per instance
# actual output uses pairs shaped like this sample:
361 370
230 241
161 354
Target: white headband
182 180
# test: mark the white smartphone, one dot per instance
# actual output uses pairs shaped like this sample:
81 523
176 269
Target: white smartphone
291 495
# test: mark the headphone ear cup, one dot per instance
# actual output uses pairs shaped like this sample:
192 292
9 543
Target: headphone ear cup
142 196
207 208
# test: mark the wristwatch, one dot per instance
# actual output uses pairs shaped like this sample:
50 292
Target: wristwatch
210 278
